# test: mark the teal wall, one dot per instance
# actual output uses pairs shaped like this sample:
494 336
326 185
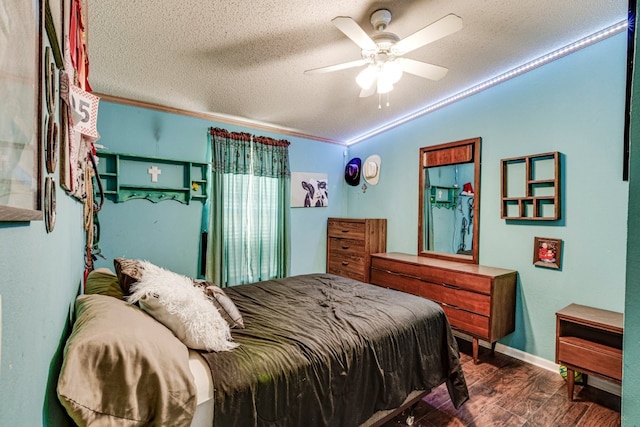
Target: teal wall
631 368
168 233
41 275
574 105
631 345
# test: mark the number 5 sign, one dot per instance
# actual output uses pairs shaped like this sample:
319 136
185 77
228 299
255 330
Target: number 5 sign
84 106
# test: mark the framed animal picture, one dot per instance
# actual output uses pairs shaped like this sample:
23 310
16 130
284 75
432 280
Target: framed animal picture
309 190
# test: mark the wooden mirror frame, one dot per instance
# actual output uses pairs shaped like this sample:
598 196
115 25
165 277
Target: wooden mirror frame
452 153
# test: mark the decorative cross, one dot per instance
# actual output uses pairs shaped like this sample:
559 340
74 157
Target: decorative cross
154 172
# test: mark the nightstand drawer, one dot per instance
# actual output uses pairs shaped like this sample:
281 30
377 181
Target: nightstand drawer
591 356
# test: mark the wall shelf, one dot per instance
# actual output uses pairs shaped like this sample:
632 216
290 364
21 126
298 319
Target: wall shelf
531 187
444 197
128 176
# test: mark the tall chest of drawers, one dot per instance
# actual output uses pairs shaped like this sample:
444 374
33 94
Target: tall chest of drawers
478 300
350 242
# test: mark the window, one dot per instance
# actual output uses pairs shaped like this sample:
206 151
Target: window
250 208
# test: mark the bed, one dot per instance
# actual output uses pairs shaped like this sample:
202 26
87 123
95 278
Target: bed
314 350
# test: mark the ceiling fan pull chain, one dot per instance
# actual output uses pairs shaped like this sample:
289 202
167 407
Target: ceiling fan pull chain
387 99
379 104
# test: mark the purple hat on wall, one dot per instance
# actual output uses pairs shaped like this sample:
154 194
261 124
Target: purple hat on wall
352 171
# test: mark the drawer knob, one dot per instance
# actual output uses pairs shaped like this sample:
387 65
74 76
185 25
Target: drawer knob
345 247
345 231
345 263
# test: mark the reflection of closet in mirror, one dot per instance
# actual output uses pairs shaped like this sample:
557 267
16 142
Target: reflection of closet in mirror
450 207
449 194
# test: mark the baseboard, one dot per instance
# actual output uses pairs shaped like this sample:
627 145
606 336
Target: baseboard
592 381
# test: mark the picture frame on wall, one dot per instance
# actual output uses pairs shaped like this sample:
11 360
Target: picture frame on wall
21 126
547 252
309 190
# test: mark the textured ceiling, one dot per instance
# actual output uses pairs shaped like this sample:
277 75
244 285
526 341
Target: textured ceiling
245 59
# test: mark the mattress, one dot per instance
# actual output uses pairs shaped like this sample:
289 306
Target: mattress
203 416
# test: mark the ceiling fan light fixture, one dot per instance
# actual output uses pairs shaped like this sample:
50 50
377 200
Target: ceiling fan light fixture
367 77
384 86
382 51
391 71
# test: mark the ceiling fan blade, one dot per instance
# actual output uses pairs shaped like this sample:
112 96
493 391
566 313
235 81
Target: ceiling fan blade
422 69
439 29
336 67
352 30
368 92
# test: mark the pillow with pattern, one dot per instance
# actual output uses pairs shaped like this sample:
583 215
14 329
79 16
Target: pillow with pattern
128 271
222 302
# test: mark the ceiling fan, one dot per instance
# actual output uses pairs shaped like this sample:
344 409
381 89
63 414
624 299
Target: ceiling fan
382 52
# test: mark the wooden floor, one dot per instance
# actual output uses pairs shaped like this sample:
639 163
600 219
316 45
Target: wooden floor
508 392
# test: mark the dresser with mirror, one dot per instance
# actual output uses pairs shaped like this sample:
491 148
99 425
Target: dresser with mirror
479 300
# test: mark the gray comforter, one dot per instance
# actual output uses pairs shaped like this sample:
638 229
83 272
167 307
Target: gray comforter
322 350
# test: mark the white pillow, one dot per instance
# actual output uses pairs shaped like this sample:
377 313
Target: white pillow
172 300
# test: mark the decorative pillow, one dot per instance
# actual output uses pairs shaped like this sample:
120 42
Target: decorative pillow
103 282
173 300
129 271
222 302
123 368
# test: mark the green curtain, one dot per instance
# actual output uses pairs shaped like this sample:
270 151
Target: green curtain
250 182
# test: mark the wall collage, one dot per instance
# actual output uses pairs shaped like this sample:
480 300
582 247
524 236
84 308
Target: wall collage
49 126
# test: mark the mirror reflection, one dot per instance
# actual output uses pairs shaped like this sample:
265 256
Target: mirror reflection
449 220
449 196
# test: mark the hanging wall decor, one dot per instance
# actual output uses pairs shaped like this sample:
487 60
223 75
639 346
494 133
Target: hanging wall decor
309 190
352 171
49 203
51 144
531 187
78 106
20 118
128 176
547 252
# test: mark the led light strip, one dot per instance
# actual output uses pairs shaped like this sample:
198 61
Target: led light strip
580 44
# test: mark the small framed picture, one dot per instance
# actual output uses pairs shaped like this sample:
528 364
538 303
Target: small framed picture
547 252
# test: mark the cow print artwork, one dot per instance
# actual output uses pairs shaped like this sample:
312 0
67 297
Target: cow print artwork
316 193
309 190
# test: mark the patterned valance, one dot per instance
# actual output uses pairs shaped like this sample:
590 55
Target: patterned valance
223 133
270 141
242 153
